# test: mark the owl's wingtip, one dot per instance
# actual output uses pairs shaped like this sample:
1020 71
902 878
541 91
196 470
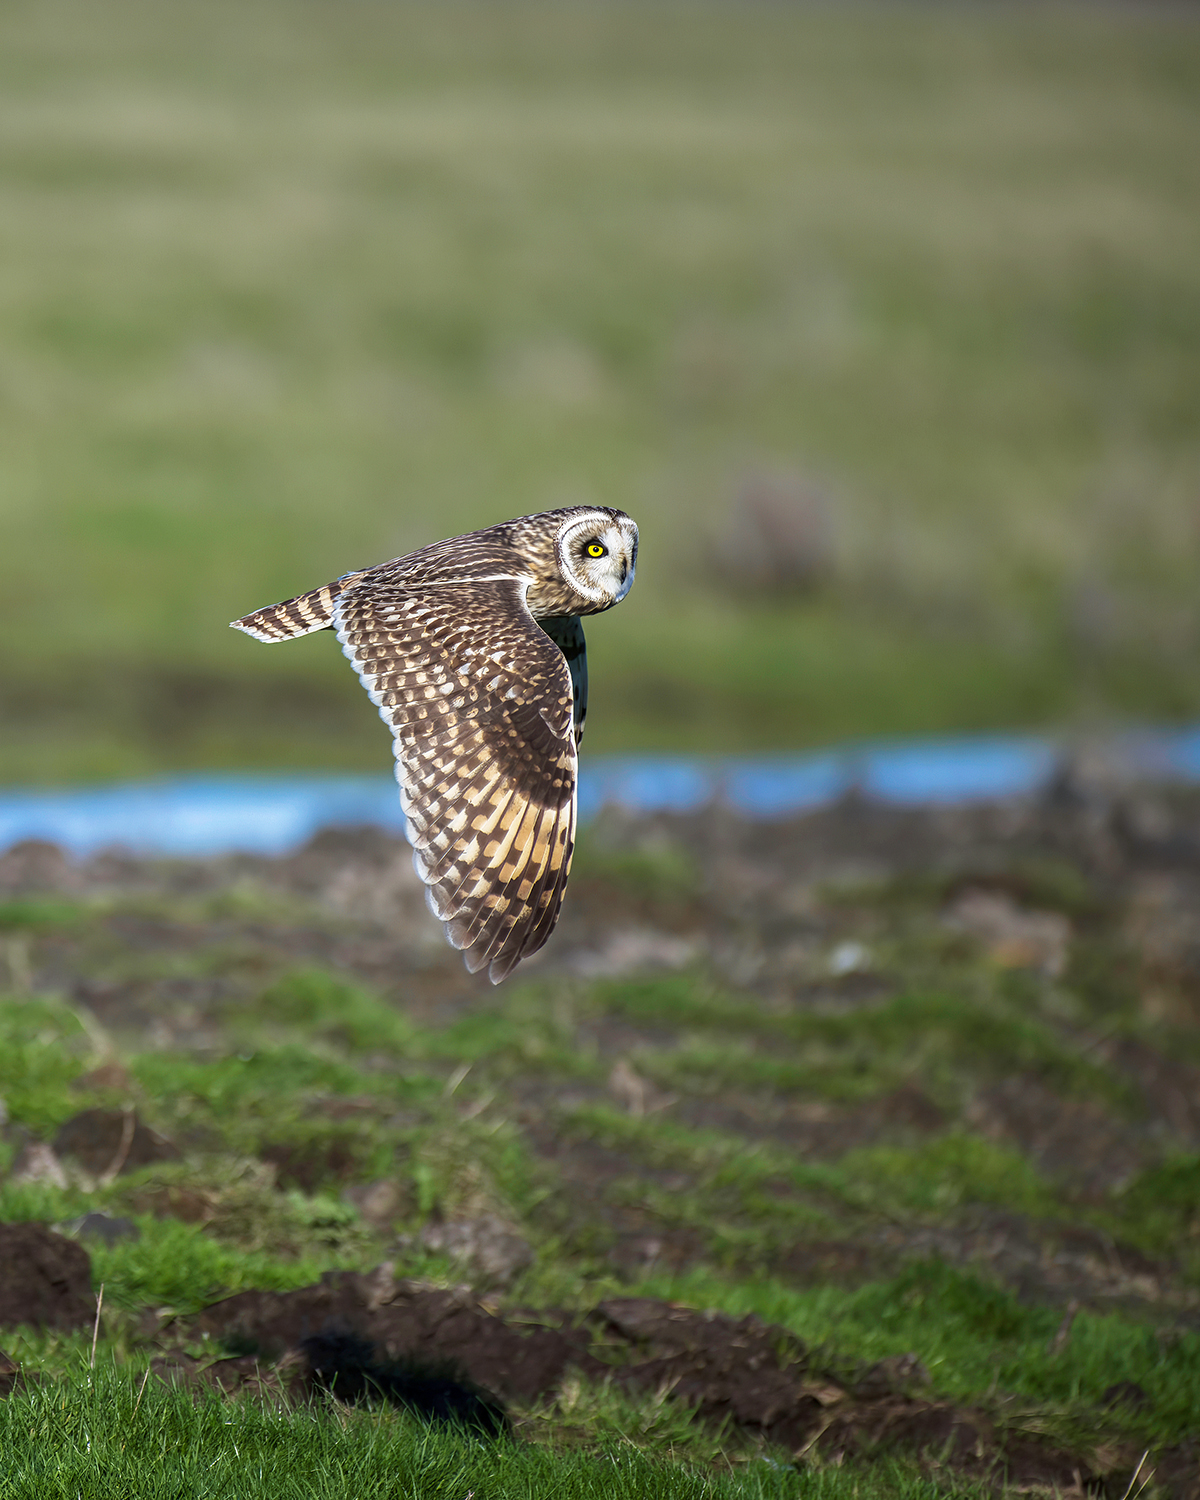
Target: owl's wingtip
250 630
477 958
500 968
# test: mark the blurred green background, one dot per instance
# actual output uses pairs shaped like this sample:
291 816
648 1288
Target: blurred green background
291 286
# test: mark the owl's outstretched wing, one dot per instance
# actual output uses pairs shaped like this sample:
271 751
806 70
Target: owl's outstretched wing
479 700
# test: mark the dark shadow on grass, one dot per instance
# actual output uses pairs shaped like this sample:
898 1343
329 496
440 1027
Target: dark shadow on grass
345 1366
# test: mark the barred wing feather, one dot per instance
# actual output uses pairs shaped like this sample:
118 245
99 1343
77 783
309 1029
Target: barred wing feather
479 700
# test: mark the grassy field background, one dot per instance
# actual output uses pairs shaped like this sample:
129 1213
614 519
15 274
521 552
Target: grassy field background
286 288
898 1136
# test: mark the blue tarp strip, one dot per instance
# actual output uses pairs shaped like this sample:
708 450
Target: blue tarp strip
272 814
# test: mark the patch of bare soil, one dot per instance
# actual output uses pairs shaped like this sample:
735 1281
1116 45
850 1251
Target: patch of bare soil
449 1355
818 1131
45 1279
367 1331
1043 1262
1071 1138
107 1142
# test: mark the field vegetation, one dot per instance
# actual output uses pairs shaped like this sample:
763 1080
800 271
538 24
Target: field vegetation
917 1142
285 289
289 286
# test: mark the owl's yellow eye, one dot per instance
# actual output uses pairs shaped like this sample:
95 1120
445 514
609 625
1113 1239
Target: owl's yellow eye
596 549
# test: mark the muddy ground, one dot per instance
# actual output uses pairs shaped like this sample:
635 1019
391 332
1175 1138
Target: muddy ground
817 1051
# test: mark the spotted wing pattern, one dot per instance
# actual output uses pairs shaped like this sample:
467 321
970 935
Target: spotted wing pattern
479 700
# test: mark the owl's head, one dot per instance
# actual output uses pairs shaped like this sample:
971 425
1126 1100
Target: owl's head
597 553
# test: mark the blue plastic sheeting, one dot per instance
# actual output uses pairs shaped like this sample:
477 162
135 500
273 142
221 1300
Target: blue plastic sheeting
1168 755
264 814
959 770
646 783
779 786
197 815
908 772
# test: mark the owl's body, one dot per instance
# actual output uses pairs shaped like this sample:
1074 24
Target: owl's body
473 652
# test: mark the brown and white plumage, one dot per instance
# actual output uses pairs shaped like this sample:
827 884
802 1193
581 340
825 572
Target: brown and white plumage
472 650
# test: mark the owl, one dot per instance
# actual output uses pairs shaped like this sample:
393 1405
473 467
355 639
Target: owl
472 650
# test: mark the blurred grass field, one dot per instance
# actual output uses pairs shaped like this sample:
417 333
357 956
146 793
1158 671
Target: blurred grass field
957 1155
287 288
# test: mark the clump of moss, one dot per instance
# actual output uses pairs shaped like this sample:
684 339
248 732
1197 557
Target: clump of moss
323 1004
43 1048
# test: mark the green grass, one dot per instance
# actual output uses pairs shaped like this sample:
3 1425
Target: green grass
970 1334
304 1083
103 1435
326 1006
182 1267
42 1047
745 1196
39 914
654 871
941 1036
292 290
1164 1202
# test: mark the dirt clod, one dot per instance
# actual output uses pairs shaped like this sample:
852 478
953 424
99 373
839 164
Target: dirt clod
348 1368
309 1166
356 1336
896 1372
739 1369
45 1279
172 1201
515 1361
34 865
108 1142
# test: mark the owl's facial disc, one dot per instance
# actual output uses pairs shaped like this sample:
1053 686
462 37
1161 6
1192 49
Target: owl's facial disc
599 556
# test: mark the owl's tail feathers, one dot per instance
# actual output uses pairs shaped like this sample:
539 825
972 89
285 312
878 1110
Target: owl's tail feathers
299 616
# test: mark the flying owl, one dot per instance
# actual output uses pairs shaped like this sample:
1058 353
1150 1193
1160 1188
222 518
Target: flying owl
472 649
